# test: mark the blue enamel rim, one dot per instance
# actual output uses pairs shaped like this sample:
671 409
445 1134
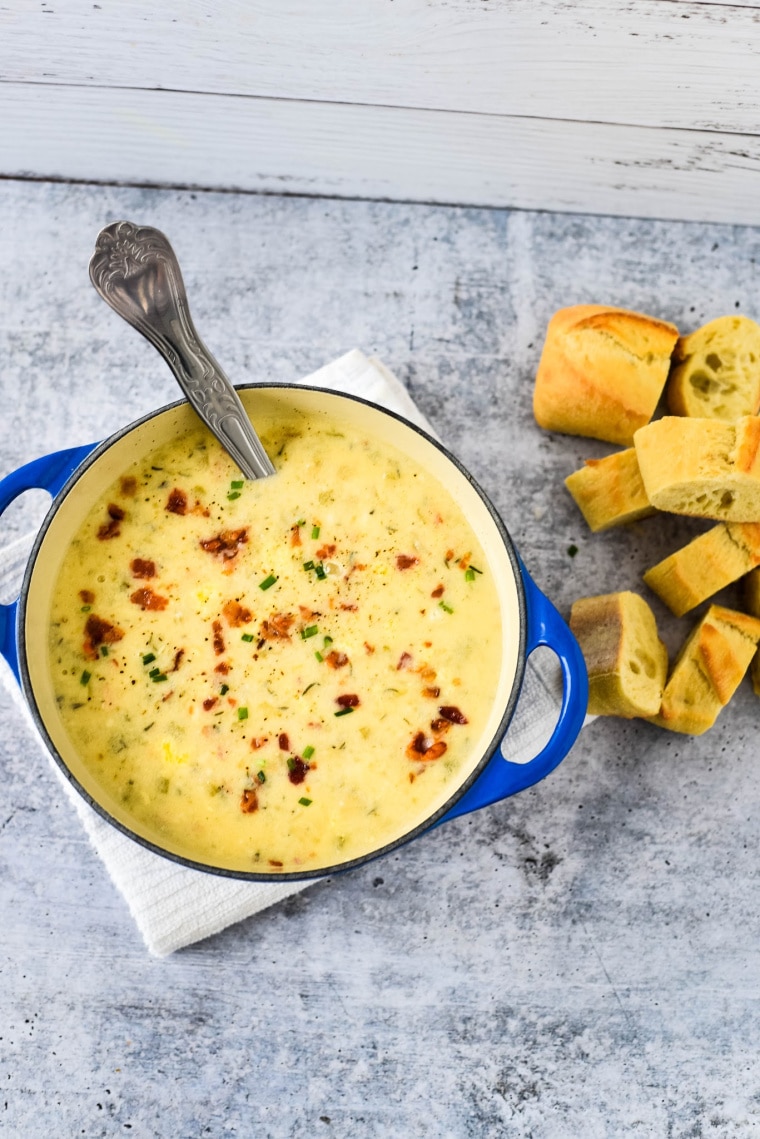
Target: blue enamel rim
494 777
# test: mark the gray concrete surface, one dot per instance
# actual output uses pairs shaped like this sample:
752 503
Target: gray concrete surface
580 960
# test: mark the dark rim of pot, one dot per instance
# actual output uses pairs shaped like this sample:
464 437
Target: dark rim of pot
255 875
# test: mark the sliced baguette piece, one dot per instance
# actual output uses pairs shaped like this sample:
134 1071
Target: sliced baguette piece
751 602
602 371
705 468
708 670
626 660
716 372
610 492
708 563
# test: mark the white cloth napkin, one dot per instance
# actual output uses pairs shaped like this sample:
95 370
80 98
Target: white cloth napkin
174 906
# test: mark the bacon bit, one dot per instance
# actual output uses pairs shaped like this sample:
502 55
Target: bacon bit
405 561
308 614
440 726
451 713
336 659
348 701
147 599
427 673
111 529
222 667
449 555
283 741
99 632
297 769
431 693
428 644
142 568
275 863
249 801
168 696
236 614
404 661
349 608
177 659
128 486
295 535
326 551
258 742
177 502
423 748
438 519
87 596
464 561
210 702
437 592
277 627
219 645
199 508
369 649
227 543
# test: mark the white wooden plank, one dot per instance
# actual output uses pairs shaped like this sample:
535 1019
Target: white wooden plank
379 152
646 62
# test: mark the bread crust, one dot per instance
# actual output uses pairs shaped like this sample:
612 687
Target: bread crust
704 566
610 492
750 595
602 371
705 468
716 370
626 660
708 670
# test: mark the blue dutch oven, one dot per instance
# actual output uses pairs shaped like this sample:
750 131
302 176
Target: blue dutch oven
77 477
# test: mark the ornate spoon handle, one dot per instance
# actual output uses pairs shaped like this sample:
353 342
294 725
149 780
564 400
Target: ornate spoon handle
136 272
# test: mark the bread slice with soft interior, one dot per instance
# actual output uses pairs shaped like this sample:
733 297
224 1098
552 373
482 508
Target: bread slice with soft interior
716 370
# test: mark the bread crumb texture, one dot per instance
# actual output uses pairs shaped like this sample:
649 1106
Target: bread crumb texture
705 468
716 371
708 670
626 661
602 371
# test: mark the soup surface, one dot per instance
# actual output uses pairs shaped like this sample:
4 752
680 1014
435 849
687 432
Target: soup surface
277 675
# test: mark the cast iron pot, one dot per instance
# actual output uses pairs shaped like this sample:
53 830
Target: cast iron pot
77 477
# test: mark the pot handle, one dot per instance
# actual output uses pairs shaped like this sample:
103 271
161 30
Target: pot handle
49 473
501 778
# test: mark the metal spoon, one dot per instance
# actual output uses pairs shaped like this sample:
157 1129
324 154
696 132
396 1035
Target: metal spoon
136 272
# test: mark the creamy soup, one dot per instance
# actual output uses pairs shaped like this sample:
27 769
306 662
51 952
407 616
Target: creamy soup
278 675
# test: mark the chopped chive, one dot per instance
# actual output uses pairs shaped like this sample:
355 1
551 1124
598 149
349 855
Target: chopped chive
309 631
315 531
309 687
237 484
154 672
305 802
308 752
85 677
224 689
328 641
475 569
343 711
291 763
301 522
446 608
308 565
320 572
104 650
267 582
469 574
85 609
149 658
247 637
158 679
242 713
261 777
319 657
232 495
